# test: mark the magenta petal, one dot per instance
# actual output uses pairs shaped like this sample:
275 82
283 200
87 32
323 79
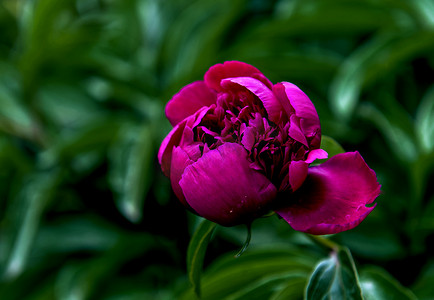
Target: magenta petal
295 131
297 173
279 92
180 134
333 197
271 104
165 151
249 138
180 161
229 69
223 188
189 100
305 110
316 154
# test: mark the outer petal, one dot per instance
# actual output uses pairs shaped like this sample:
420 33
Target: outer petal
178 135
188 100
165 151
297 173
223 188
264 93
333 197
229 69
180 160
300 104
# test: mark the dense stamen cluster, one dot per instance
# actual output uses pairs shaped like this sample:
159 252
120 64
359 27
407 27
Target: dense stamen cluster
241 118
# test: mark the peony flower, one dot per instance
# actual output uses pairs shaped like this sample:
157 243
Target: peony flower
242 146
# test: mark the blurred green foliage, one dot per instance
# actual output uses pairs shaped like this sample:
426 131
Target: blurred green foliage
85 212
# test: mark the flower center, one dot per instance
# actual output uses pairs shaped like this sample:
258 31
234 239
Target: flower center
240 117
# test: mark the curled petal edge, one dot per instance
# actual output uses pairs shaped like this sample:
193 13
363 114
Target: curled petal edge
230 69
334 196
188 100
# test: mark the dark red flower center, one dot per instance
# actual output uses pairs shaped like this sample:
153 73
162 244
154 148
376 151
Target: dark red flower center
240 117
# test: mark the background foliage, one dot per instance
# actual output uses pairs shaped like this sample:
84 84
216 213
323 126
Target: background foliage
85 212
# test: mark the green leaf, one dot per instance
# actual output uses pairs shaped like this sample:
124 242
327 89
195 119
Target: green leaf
270 268
34 198
347 85
196 252
424 123
131 159
196 35
15 118
293 289
76 108
400 141
70 147
376 59
377 284
264 287
423 287
305 260
61 236
335 278
84 280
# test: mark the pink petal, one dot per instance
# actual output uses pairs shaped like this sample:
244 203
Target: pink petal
249 138
316 154
180 134
264 93
180 161
188 100
304 109
223 188
279 92
165 151
297 173
333 197
230 69
295 131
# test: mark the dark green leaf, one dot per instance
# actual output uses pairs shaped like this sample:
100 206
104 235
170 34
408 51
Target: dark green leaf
375 59
15 118
82 280
33 199
424 122
400 141
74 234
196 252
132 163
292 289
335 278
196 34
265 287
423 287
269 267
74 111
95 136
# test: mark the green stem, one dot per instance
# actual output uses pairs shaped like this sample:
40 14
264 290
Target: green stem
323 242
247 242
